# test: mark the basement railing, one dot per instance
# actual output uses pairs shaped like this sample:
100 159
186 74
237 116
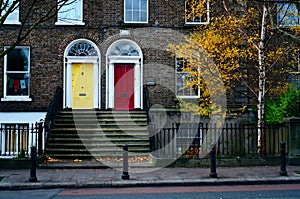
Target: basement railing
16 139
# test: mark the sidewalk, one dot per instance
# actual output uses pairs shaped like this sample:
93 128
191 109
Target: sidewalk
91 178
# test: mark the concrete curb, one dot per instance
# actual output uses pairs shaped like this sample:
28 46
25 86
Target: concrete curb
139 183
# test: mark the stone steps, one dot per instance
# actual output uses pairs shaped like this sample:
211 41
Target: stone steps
88 134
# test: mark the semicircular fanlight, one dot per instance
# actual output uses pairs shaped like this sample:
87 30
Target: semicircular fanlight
82 49
124 49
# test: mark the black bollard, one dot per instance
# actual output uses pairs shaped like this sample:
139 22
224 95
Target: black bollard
32 177
213 167
283 171
125 175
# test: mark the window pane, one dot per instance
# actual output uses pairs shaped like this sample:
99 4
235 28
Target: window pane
17 60
13 16
136 16
144 5
183 87
179 65
128 16
128 4
71 11
17 84
136 4
143 16
17 72
77 11
287 15
180 84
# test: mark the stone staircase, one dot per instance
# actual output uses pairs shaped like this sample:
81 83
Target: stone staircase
101 135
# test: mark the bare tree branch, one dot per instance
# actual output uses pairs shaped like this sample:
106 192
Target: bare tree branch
25 29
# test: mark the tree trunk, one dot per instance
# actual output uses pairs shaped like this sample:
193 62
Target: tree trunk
261 84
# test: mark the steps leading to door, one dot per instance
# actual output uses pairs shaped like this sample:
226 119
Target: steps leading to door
90 134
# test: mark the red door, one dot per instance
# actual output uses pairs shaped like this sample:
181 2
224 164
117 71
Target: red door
124 86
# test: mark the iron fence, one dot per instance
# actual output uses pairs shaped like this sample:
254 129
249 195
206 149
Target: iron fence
16 139
232 139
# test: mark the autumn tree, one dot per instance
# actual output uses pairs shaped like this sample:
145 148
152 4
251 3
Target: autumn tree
34 13
246 48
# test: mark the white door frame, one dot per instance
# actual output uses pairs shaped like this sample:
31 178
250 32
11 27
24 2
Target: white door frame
138 80
116 53
89 55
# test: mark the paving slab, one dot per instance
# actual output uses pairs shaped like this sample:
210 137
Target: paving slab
75 178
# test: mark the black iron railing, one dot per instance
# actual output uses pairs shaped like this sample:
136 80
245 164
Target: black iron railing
54 106
16 139
231 139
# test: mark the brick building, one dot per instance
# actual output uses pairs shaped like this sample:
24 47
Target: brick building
86 49
96 35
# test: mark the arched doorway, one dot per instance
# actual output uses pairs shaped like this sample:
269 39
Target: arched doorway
82 75
124 77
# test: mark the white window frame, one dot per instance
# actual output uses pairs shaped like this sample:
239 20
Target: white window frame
192 22
16 97
70 8
176 83
287 21
14 17
139 11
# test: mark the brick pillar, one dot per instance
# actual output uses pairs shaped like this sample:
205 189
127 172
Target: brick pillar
293 124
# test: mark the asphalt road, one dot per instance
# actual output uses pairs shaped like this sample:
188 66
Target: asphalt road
191 192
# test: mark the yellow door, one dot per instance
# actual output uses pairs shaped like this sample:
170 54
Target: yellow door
82 86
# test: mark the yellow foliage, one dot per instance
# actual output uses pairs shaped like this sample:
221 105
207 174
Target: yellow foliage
232 42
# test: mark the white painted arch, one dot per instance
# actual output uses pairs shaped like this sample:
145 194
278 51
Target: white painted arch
124 51
84 54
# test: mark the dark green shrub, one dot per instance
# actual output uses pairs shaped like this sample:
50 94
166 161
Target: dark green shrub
286 105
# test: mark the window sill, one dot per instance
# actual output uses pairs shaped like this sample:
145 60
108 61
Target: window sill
196 23
287 26
16 99
71 23
188 97
135 22
12 23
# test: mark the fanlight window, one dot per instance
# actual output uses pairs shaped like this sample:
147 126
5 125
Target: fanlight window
124 49
82 49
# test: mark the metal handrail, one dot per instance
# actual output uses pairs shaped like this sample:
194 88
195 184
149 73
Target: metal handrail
54 106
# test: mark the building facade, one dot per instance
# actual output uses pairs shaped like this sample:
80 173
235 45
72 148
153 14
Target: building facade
86 48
